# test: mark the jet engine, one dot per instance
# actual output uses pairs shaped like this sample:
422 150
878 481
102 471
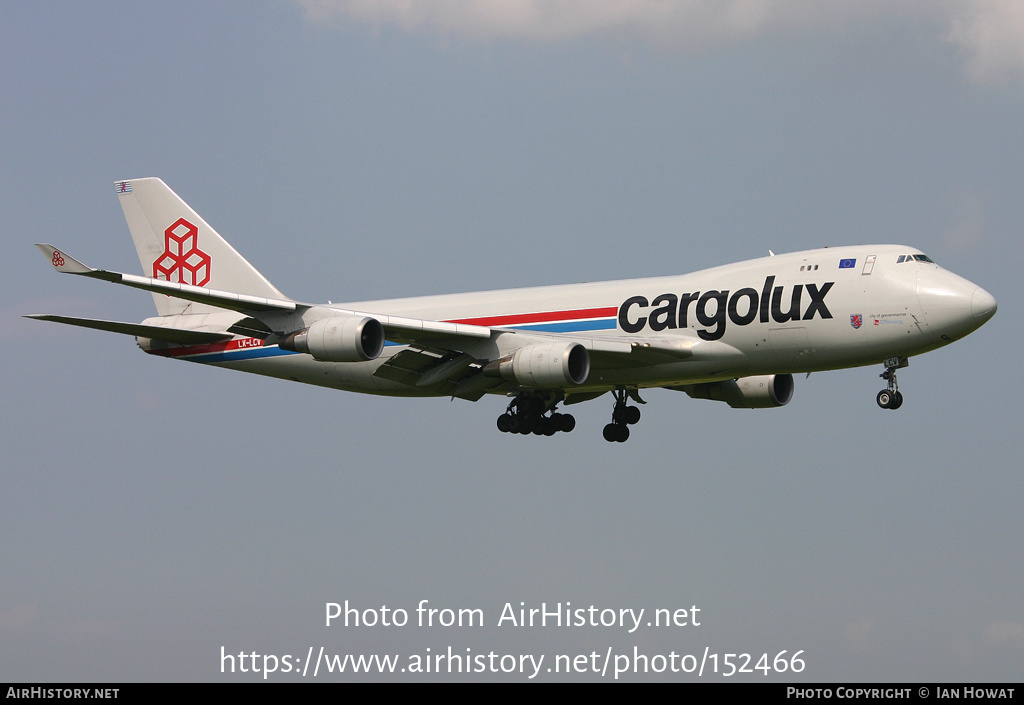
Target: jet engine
544 365
339 339
760 392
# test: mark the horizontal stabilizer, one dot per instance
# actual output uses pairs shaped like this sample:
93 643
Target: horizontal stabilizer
62 261
170 335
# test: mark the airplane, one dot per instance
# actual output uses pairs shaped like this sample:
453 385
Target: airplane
735 333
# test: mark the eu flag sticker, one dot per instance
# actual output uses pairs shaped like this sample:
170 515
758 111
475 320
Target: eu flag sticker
847 263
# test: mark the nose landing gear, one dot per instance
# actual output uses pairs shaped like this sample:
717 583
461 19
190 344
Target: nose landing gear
890 397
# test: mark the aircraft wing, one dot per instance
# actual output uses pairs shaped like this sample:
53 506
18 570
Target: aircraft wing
66 264
398 329
418 331
440 347
444 365
171 335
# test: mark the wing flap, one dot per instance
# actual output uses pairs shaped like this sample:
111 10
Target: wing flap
408 366
424 367
452 374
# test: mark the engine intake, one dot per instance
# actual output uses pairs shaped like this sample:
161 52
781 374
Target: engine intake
760 392
544 365
339 339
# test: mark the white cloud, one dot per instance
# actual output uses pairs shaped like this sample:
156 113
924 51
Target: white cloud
684 22
989 33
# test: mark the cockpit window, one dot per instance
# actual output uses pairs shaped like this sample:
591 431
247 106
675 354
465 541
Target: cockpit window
923 258
913 258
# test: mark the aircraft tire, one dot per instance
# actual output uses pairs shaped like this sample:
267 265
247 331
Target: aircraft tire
897 401
616 433
566 422
884 399
632 415
504 423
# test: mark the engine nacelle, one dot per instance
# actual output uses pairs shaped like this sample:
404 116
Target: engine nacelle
544 365
339 339
761 392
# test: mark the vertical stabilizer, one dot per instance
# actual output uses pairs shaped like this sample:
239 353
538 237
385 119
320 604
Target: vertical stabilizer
175 244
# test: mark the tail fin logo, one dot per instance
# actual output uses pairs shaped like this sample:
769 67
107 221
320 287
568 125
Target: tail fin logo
182 261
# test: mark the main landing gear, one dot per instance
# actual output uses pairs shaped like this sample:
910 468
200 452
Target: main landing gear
623 417
890 397
530 414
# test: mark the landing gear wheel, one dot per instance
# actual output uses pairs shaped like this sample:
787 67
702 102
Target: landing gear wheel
534 414
622 416
885 399
566 422
616 433
890 397
897 401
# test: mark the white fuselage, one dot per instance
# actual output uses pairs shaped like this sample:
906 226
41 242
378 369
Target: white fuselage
800 312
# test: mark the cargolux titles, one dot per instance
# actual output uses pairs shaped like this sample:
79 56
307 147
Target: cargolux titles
742 308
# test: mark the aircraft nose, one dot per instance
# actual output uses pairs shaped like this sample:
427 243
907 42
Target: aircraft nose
983 304
953 305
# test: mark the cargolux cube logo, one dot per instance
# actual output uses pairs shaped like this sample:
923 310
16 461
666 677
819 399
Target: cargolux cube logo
182 261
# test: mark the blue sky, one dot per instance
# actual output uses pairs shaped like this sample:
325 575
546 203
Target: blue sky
153 511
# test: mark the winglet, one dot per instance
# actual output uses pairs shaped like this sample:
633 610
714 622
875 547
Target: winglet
62 261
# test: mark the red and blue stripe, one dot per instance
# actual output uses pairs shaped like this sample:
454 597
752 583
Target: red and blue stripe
566 321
